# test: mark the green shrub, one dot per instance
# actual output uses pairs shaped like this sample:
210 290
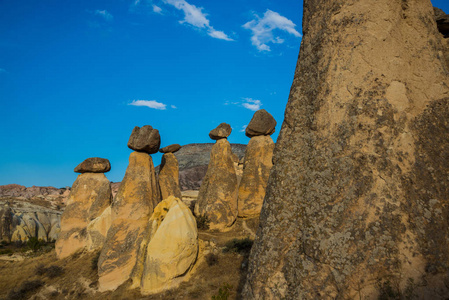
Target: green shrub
202 222
238 245
6 252
223 292
50 272
34 243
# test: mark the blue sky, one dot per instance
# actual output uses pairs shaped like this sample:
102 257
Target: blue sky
77 76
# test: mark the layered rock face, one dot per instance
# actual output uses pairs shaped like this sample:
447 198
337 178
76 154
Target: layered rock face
170 250
133 205
89 197
256 170
169 176
218 193
357 201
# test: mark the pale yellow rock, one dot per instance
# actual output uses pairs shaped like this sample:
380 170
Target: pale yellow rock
256 170
169 176
173 246
90 195
218 193
97 230
132 207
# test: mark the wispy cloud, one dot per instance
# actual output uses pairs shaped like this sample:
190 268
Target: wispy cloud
247 103
149 103
252 104
172 106
105 14
262 29
157 9
243 128
195 16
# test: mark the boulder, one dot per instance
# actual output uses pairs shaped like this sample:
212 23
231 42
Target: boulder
170 149
169 176
94 165
221 132
262 123
132 207
357 199
145 139
256 170
89 197
172 247
217 198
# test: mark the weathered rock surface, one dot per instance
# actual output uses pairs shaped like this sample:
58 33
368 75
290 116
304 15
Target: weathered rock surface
221 132
256 170
145 139
170 149
47 192
217 197
94 165
97 230
89 197
357 201
132 207
169 176
172 248
262 123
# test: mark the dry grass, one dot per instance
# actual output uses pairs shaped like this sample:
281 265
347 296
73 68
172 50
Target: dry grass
79 279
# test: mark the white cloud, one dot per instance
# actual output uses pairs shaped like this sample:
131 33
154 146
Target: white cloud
149 103
243 128
252 104
105 14
262 29
172 106
195 16
157 9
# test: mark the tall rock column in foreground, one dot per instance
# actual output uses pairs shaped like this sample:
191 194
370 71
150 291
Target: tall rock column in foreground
169 172
217 198
89 198
357 203
132 207
257 164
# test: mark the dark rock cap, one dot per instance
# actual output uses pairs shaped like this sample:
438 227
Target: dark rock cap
221 132
262 123
94 165
170 149
145 139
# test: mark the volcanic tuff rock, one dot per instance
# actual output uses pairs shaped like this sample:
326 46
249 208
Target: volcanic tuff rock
90 196
221 132
170 149
357 201
48 192
442 20
170 249
169 176
145 139
256 170
262 123
132 207
94 165
218 193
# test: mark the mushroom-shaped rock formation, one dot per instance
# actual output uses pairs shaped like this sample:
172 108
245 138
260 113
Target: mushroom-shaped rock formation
133 205
170 149
217 198
94 165
169 176
222 131
256 170
262 123
145 139
89 197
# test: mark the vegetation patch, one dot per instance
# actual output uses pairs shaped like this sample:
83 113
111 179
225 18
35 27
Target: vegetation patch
51 272
202 222
241 246
223 292
25 290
